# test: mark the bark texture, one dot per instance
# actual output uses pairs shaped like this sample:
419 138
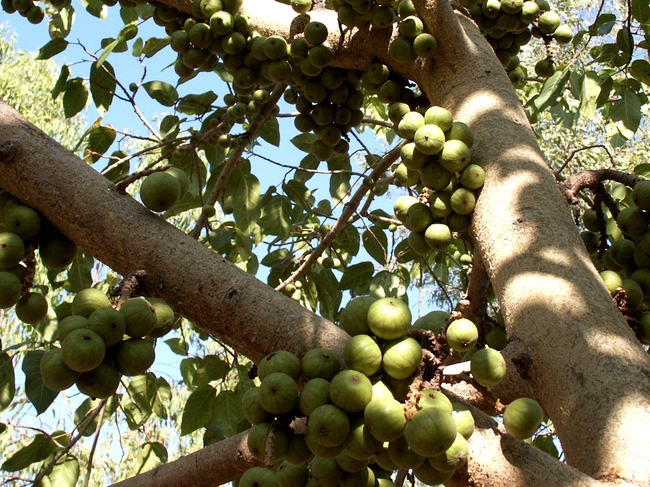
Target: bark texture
202 286
215 464
588 371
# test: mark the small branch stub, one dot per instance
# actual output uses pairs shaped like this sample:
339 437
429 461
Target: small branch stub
8 150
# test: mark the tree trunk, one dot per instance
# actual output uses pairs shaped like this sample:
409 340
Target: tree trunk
587 369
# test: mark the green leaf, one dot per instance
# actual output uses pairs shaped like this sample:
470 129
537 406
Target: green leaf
102 85
162 92
38 450
552 89
128 15
375 243
640 69
281 257
37 393
298 193
197 104
52 48
163 398
275 219
178 346
589 93
7 381
626 112
79 274
142 390
59 86
198 409
641 11
308 162
65 473
348 241
223 73
100 140
303 141
74 97
106 51
547 445
243 189
96 8
227 411
328 292
154 45
356 274
150 455
603 25
60 23
136 48
642 170
138 403
270 131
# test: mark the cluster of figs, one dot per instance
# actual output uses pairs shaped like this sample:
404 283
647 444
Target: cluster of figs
620 246
317 422
98 343
23 231
436 161
508 25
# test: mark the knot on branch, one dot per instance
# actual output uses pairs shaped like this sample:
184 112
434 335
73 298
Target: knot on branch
523 362
131 285
8 150
592 180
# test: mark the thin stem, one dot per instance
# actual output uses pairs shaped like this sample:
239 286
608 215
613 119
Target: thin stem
349 208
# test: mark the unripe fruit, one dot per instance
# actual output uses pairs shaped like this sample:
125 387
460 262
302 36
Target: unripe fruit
259 476
88 300
56 251
258 439
438 236
402 357
101 382
522 418
278 393
329 425
453 458
139 316
389 318
431 398
384 418
31 308
279 361
82 350
160 191
454 155
425 46
351 390
315 33
315 393
320 362
430 432
462 335
182 178
12 250
488 367
23 221
362 353
108 323
429 139
10 289
56 374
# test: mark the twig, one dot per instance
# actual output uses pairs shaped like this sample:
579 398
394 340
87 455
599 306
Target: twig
235 155
574 152
591 179
89 467
349 208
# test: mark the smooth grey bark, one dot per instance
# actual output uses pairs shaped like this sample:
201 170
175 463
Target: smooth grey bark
588 371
